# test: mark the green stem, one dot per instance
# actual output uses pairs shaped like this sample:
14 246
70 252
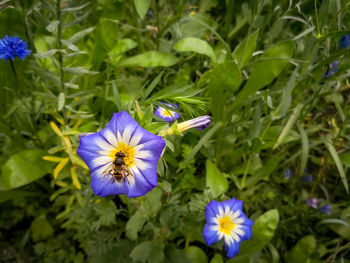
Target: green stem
136 24
60 56
246 171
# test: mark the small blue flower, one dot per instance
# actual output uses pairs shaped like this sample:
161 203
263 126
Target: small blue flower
332 69
166 114
326 209
307 178
287 174
11 47
345 41
312 202
226 220
122 157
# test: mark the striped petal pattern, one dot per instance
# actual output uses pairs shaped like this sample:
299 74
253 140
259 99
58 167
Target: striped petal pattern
166 114
226 220
141 148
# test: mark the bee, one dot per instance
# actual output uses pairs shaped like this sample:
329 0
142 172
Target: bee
118 169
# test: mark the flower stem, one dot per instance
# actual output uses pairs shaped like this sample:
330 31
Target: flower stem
60 56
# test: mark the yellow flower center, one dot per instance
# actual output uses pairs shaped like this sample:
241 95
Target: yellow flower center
168 113
226 225
127 150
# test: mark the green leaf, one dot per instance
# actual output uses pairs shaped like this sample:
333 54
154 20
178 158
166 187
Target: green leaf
80 71
216 182
79 35
263 72
244 51
224 79
201 142
152 203
196 255
41 228
339 165
23 168
192 44
264 171
52 26
61 101
217 259
142 252
116 96
345 159
263 231
150 59
305 149
289 125
134 225
142 7
303 250
122 46
151 87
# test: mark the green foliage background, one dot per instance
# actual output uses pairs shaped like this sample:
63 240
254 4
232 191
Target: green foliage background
255 66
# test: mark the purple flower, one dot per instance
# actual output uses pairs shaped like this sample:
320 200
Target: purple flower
199 123
312 202
226 220
11 47
166 114
326 209
332 69
122 157
345 41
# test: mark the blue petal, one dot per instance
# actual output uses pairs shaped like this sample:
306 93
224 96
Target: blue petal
141 186
88 150
211 210
234 204
232 249
105 185
210 236
246 220
247 232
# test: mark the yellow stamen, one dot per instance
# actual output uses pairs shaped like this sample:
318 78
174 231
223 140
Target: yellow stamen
226 225
127 150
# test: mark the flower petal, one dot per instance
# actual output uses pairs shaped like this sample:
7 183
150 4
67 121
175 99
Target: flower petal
210 235
232 249
139 186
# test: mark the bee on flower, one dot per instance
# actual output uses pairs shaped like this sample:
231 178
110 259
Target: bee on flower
226 220
122 157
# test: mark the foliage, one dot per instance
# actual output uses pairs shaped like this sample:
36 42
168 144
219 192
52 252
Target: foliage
257 67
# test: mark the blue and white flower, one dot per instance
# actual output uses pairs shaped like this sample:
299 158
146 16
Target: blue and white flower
11 47
141 148
226 220
166 114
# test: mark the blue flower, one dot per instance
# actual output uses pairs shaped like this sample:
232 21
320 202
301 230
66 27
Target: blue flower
332 69
326 209
345 41
287 174
122 157
11 47
226 220
307 178
166 114
199 123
